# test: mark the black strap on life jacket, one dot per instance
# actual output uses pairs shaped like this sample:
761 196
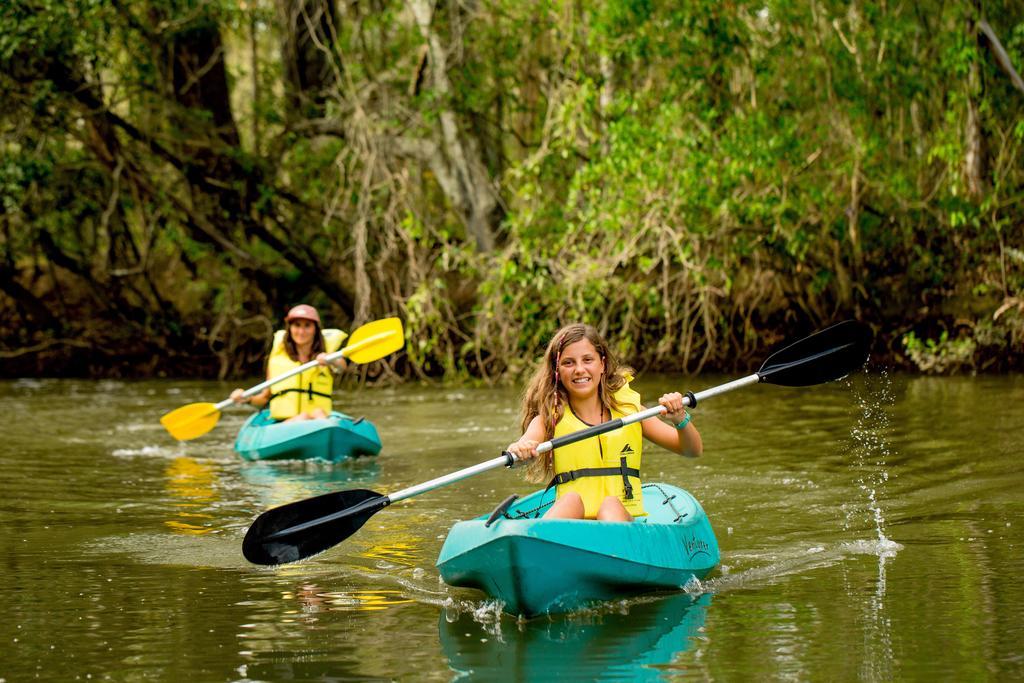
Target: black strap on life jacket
626 472
308 391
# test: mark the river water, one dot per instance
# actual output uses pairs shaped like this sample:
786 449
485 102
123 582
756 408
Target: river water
871 529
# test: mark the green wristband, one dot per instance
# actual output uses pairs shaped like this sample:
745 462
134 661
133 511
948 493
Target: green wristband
686 421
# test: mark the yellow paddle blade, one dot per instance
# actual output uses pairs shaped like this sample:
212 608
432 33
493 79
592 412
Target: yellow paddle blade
191 421
375 340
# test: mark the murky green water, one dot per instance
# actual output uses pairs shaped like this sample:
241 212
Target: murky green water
870 530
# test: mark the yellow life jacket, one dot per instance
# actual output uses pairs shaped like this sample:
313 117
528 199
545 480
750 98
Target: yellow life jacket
307 390
608 465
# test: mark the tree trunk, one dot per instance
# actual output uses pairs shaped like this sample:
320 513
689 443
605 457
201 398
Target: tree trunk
310 67
974 142
35 313
974 150
469 187
199 78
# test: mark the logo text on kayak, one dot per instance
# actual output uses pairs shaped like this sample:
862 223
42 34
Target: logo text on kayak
695 546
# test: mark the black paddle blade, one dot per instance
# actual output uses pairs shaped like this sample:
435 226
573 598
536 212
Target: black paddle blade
304 528
822 357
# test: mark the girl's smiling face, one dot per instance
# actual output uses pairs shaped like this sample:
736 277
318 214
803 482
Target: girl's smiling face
302 331
580 368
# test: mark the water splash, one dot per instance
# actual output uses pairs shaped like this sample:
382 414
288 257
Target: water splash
869 447
161 451
694 586
787 561
486 613
872 453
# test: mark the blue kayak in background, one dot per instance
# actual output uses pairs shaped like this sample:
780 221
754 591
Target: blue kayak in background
334 438
537 566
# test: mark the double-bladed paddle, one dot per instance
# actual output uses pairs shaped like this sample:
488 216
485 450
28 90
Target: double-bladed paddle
368 343
304 528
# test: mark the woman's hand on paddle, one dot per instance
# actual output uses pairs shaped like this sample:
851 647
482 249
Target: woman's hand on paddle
340 365
524 449
681 436
675 411
259 400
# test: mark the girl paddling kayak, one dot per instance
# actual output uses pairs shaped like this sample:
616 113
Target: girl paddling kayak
579 383
308 395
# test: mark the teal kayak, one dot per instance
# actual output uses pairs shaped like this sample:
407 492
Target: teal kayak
334 438
537 566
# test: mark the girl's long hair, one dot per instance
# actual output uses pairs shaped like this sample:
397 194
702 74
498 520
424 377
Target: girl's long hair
319 344
545 395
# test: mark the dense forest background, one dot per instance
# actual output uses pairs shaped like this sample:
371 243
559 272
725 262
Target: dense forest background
701 180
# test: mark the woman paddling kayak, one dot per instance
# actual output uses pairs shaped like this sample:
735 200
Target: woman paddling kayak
579 383
308 395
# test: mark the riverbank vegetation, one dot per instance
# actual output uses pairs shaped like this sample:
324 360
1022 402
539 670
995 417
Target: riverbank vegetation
701 180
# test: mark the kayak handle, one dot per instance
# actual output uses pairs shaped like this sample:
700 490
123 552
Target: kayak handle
500 510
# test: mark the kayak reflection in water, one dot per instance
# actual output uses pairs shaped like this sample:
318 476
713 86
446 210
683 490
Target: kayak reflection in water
308 395
578 384
645 639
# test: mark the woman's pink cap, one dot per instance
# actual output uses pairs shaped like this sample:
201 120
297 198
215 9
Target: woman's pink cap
302 312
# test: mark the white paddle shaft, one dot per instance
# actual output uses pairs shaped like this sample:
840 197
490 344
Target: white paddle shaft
617 423
503 460
508 459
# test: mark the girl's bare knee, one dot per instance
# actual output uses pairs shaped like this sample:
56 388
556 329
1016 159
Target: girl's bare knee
569 506
612 510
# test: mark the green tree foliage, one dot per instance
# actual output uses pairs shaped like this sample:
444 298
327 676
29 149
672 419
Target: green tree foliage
700 180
